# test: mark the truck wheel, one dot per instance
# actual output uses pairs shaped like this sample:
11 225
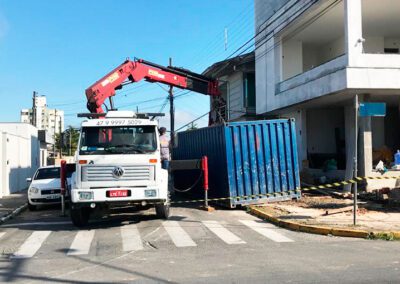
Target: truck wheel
80 216
162 211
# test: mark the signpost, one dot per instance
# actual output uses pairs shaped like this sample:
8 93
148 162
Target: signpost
363 109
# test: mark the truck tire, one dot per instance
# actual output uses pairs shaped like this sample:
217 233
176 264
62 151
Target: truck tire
80 216
162 211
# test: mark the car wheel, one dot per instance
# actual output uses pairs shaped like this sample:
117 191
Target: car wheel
162 211
80 216
32 207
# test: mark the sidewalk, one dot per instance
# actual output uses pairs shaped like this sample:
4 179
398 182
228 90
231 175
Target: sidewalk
334 213
11 203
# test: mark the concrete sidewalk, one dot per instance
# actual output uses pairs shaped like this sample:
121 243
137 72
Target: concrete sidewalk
330 213
12 204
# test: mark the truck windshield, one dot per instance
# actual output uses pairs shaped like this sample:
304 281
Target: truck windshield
118 140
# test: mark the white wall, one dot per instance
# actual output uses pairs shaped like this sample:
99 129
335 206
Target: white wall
378 132
321 124
374 44
20 158
292 58
263 9
235 96
392 43
331 50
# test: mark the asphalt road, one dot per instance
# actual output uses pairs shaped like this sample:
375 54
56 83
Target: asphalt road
194 246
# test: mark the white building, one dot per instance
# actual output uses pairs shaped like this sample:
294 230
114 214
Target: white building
312 58
51 120
19 156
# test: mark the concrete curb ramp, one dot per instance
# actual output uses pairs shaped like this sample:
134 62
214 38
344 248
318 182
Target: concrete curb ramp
322 230
14 213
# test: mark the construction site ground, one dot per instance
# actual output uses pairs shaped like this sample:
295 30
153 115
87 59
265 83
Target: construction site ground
337 213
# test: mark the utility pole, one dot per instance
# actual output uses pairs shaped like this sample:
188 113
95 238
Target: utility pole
355 159
70 141
54 133
34 108
171 109
61 138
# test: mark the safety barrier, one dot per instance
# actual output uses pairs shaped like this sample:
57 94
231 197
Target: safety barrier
309 188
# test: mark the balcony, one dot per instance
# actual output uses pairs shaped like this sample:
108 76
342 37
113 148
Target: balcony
313 74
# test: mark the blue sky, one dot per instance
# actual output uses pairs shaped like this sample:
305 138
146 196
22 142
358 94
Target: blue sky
59 48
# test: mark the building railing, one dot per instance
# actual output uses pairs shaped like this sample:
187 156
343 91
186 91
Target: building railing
322 70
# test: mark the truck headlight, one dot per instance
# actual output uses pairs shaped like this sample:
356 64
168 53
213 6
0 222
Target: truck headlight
33 190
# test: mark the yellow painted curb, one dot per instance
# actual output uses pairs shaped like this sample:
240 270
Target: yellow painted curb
321 230
315 229
350 233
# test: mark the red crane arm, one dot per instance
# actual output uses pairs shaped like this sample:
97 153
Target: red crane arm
137 70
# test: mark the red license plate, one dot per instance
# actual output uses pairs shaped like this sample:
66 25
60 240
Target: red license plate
117 193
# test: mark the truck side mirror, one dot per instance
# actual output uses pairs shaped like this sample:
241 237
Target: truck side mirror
29 180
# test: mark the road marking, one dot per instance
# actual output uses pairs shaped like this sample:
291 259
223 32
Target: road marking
2 234
262 228
178 235
36 224
223 233
31 245
81 243
131 238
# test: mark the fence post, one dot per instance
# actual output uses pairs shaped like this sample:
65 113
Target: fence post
63 179
204 168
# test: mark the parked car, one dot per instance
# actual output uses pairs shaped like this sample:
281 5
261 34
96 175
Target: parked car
45 187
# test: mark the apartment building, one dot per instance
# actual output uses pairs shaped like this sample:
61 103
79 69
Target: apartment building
44 118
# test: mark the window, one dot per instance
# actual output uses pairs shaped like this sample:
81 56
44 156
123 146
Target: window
48 173
118 140
249 90
391 50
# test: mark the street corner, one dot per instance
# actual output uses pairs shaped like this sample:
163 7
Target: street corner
327 215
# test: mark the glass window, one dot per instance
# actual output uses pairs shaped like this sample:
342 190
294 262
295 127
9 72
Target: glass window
118 140
47 173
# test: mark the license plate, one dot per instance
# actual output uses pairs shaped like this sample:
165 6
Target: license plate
150 193
53 196
85 195
118 193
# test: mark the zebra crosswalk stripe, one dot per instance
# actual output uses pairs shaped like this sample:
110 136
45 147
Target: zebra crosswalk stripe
131 240
223 233
178 235
31 245
2 234
81 243
262 228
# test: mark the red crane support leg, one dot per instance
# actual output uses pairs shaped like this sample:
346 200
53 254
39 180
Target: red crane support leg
204 167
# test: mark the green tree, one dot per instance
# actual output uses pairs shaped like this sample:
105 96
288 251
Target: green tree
192 126
68 140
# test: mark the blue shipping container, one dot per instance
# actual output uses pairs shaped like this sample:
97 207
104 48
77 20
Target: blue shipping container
246 158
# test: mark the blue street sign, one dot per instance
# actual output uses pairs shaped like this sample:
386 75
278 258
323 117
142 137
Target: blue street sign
372 109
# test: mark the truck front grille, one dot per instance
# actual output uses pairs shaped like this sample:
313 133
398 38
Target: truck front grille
105 173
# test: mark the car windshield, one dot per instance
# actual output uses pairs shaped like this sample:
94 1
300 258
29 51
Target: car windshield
47 173
118 140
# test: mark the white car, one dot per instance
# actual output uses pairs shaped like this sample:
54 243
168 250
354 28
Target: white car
45 187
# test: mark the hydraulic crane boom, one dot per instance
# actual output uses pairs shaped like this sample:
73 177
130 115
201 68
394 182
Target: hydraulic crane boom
139 69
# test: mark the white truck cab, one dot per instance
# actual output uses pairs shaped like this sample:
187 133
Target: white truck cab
118 164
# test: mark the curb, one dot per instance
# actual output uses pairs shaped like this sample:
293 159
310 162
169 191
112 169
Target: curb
14 213
322 230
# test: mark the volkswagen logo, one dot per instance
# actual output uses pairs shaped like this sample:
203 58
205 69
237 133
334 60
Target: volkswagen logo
118 172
